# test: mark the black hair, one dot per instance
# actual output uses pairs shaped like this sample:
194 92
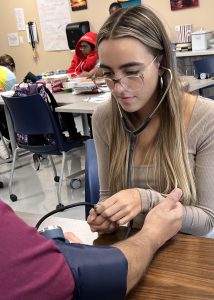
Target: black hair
7 61
114 4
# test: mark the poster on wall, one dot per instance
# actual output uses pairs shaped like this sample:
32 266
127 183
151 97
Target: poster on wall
126 3
78 4
181 4
54 15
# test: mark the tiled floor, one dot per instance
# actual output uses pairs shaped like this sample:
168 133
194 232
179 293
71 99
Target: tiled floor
36 190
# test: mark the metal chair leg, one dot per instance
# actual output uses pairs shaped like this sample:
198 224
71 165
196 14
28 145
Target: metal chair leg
5 145
60 180
12 196
53 166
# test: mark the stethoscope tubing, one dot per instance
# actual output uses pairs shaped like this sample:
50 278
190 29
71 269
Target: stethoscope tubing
133 138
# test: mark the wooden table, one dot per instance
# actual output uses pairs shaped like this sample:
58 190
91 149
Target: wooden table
182 269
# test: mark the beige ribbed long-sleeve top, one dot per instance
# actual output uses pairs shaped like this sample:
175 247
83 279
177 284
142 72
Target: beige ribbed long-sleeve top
198 219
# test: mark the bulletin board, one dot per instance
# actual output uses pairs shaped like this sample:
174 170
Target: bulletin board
126 3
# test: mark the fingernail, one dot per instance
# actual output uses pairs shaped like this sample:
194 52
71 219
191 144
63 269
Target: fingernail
177 193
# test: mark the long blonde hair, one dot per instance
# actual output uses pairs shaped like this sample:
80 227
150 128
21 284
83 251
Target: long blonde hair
172 167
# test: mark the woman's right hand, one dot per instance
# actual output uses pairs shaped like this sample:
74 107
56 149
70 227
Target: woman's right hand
100 224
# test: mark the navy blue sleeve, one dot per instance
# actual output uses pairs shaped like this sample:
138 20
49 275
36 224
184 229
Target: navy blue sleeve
99 272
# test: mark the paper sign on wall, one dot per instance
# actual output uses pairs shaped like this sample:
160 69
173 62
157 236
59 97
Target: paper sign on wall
13 39
20 19
54 15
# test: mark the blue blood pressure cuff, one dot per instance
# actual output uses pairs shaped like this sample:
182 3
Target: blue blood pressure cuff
99 272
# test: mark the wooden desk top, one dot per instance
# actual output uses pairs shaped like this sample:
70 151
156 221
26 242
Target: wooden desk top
182 269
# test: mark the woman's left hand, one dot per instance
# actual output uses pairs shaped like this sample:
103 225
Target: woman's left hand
121 207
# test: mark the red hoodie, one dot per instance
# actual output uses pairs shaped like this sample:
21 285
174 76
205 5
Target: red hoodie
79 62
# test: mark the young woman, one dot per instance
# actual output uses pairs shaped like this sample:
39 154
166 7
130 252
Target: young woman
7 81
174 146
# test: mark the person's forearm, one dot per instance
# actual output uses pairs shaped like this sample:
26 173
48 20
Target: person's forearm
197 220
139 251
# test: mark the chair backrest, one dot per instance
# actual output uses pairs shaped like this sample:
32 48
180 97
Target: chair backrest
31 115
205 65
91 175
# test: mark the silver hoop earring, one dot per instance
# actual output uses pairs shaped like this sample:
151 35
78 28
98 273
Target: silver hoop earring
161 82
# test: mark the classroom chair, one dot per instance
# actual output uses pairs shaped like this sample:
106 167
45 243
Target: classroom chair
91 175
32 116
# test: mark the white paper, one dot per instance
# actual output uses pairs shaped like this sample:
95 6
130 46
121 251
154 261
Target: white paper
13 39
20 19
98 99
54 15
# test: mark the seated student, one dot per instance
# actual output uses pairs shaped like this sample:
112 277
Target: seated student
7 81
34 268
115 6
85 57
151 127
84 60
8 62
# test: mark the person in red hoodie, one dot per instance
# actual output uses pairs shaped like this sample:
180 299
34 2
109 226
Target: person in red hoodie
85 57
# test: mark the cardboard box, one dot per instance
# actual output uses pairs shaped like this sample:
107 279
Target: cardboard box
200 40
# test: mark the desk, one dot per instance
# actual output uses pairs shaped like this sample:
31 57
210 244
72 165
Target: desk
209 51
78 227
182 269
77 105
184 60
196 84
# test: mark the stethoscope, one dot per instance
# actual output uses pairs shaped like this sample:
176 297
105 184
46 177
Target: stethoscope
133 137
134 134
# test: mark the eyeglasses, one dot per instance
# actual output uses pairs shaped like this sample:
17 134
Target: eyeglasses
83 47
129 82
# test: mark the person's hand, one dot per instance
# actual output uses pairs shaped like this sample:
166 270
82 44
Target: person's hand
84 74
72 238
121 207
95 72
165 219
99 224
